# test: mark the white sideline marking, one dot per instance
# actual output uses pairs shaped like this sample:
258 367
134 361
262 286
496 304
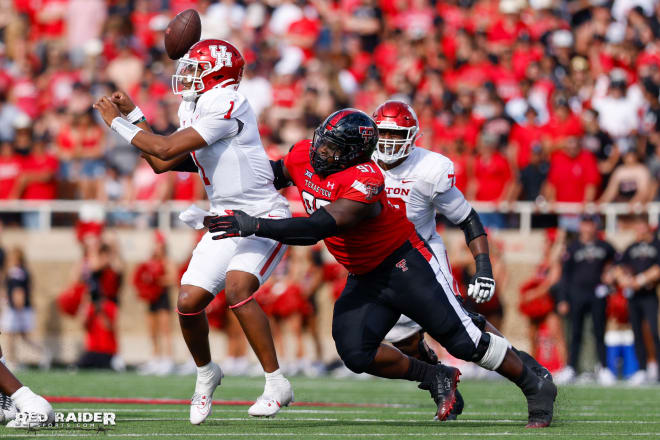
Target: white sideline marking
326 434
324 419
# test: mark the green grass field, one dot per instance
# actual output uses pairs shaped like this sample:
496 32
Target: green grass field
493 410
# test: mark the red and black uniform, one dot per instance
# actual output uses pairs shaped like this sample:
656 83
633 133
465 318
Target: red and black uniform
392 270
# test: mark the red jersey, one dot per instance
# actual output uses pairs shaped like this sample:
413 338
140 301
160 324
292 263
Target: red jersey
367 244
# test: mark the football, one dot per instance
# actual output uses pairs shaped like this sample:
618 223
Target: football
182 32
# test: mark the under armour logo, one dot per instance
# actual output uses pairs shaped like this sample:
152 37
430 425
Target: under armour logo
223 58
402 265
331 185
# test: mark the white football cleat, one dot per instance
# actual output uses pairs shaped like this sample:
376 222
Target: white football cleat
638 378
565 376
33 411
202 399
605 376
8 409
276 395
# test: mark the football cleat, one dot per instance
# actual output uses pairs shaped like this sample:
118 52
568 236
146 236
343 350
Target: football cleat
7 408
275 396
540 405
457 409
443 389
34 411
202 399
535 366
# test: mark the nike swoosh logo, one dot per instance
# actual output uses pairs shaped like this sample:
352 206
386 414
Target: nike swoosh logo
406 181
273 216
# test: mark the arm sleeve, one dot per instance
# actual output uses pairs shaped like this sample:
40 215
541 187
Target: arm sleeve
187 166
300 231
452 204
280 180
217 123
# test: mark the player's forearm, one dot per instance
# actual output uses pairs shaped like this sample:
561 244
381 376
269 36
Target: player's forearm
156 145
300 231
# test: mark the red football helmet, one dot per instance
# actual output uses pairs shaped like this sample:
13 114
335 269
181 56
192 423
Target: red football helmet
399 117
208 64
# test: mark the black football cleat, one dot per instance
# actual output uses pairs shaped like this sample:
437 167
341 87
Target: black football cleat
538 369
457 409
443 389
540 405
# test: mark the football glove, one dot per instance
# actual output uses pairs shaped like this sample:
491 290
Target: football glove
482 284
235 224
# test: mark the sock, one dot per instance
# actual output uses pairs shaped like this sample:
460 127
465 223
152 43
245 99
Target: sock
21 395
205 371
528 382
274 376
419 371
3 361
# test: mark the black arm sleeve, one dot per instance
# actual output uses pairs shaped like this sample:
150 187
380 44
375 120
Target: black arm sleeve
278 170
472 227
187 166
302 231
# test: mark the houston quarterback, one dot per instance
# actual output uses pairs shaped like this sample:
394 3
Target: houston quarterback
218 138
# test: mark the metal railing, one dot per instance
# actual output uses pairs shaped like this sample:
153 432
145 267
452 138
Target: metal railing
165 212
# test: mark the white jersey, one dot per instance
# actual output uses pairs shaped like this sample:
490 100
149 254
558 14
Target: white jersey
423 184
233 166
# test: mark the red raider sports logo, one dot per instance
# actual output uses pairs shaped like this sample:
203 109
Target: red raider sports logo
366 132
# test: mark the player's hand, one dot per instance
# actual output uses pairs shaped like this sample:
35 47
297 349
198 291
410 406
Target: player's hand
123 102
482 284
236 224
107 109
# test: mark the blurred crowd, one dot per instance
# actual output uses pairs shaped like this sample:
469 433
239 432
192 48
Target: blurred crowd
539 100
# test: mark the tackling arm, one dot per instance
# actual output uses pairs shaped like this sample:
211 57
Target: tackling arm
325 222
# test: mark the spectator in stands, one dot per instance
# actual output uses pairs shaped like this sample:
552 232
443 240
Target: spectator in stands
638 274
38 169
491 178
573 177
10 170
532 177
18 315
631 181
618 108
583 291
81 147
601 145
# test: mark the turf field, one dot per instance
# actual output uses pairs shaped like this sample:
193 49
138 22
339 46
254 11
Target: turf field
493 410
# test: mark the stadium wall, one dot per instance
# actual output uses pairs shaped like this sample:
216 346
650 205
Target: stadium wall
51 257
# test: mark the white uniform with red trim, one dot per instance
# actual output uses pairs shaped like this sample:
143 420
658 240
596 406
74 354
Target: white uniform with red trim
237 175
424 184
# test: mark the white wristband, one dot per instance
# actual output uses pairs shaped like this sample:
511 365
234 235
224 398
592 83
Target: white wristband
124 129
135 115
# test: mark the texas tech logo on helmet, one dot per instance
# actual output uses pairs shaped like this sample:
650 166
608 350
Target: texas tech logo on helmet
366 132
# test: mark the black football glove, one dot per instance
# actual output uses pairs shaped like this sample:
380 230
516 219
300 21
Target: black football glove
482 284
236 224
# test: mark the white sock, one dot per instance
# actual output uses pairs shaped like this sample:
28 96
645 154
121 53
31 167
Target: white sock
274 376
21 395
205 371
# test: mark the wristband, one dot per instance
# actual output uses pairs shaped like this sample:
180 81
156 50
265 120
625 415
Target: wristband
135 116
124 129
483 266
